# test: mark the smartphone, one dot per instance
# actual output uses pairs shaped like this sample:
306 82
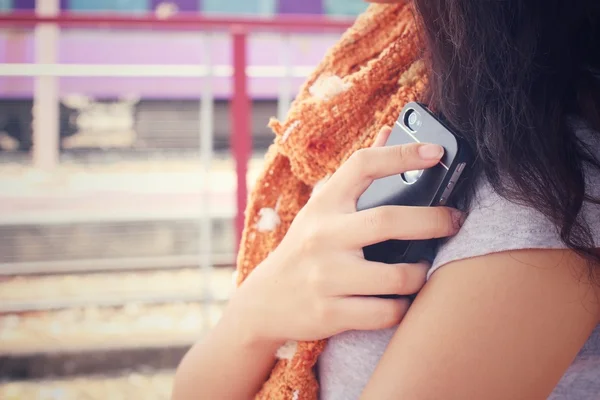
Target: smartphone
425 188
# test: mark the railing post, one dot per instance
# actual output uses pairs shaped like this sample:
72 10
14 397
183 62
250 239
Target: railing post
241 141
206 156
285 85
46 129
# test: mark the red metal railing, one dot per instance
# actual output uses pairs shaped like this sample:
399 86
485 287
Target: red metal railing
289 24
240 121
239 27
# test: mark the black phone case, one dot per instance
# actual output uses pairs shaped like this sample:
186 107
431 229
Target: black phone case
433 188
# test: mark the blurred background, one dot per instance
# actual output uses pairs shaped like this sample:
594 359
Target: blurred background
130 134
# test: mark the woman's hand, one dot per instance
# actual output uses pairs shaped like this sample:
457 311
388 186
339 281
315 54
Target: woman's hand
317 283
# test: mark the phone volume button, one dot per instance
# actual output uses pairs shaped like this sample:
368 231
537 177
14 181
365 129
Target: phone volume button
445 195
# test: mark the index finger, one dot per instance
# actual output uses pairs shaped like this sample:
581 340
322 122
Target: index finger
366 165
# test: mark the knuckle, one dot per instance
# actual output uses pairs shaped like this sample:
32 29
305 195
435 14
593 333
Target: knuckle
361 161
377 217
406 156
317 197
391 314
405 152
317 280
312 238
360 156
444 223
400 279
323 312
372 219
437 225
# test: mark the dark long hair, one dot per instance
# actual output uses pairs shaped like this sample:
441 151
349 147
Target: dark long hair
507 75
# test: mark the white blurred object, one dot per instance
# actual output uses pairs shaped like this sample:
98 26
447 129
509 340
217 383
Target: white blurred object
102 124
268 220
76 101
166 9
7 142
287 351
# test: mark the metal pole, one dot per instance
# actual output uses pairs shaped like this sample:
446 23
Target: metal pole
206 155
240 121
45 97
285 84
183 21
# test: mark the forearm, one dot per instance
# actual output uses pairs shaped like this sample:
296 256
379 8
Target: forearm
229 363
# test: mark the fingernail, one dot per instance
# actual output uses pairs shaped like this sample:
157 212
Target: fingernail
431 151
458 219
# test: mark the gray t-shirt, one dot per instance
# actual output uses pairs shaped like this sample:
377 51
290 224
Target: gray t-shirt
349 359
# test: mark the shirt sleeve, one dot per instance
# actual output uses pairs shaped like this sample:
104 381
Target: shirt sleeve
495 224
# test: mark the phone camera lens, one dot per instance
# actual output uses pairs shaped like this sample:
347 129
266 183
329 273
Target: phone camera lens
412 120
410 177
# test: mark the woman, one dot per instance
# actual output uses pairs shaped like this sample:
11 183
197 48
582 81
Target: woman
510 309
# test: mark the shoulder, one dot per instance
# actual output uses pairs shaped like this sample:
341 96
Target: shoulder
495 224
519 319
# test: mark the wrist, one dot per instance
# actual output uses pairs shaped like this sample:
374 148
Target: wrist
245 318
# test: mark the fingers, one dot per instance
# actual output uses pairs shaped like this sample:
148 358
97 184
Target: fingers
379 224
368 313
382 137
366 165
365 278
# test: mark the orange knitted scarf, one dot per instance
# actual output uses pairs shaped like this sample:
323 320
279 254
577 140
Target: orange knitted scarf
360 86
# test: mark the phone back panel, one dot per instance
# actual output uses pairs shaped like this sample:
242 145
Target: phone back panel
426 191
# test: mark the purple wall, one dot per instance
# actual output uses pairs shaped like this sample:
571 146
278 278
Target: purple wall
284 6
151 48
300 7
184 5
24 4
177 48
